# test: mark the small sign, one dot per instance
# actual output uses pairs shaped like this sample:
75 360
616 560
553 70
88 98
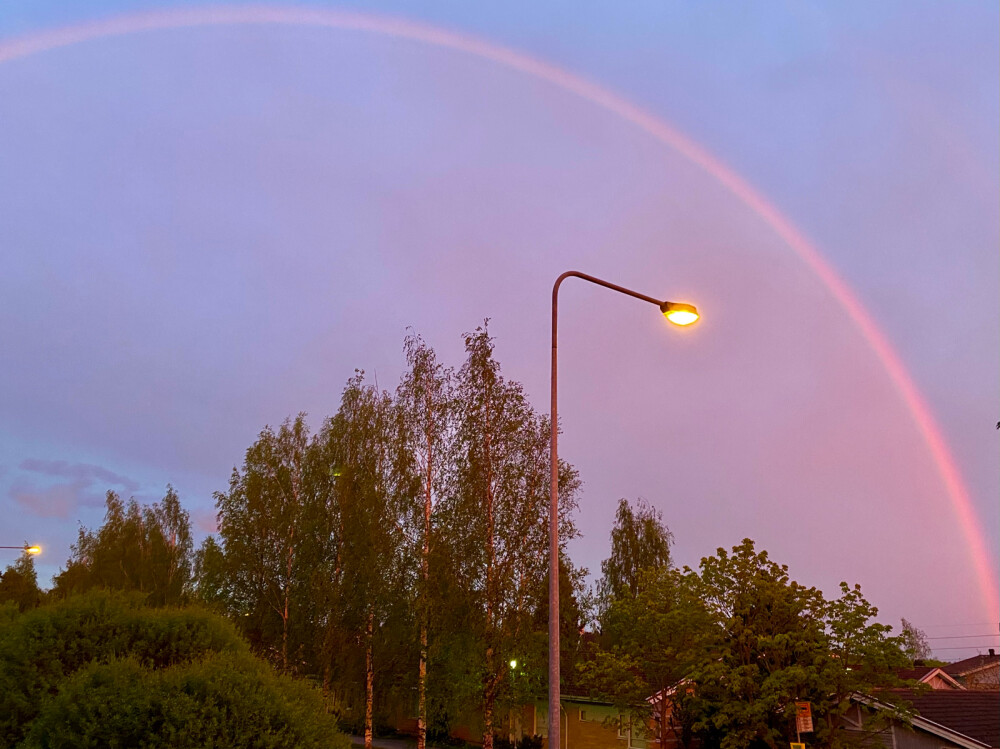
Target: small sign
798 746
803 717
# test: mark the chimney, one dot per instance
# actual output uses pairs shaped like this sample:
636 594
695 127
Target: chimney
992 652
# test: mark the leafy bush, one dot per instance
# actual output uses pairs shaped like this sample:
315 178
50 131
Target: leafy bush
226 700
102 669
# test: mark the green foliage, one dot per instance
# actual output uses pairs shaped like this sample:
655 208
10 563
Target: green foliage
730 650
41 648
375 491
410 531
260 524
571 622
19 584
426 406
649 643
779 642
223 700
492 523
147 549
915 642
640 540
210 576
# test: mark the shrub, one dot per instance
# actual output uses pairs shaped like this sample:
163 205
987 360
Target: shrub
226 701
102 669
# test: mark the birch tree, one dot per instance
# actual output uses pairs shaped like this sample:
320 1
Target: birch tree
495 514
426 405
640 540
260 520
374 488
143 548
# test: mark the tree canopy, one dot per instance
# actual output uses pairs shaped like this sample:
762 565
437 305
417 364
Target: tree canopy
729 649
19 584
43 647
640 540
225 700
147 549
399 558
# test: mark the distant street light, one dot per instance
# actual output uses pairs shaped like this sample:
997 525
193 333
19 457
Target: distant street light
26 549
679 314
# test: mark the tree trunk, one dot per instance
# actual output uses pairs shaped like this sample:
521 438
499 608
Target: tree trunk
326 683
664 705
424 614
490 692
285 612
422 690
488 700
369 678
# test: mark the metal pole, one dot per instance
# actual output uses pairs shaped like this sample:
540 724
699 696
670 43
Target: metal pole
554 696
554 700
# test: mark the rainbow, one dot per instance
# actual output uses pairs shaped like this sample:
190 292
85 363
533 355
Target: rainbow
657 128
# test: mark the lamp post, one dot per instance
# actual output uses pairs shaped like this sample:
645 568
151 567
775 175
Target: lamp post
677 313
26 549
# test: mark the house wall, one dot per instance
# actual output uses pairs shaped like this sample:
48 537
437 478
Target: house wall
583 727
917 739
896 736
984 678
936 682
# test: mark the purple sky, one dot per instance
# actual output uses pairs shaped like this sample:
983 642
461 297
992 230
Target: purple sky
203 231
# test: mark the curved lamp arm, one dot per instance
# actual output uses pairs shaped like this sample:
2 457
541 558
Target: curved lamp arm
678 313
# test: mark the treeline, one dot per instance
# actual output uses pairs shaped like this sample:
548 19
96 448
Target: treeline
718 657
398 556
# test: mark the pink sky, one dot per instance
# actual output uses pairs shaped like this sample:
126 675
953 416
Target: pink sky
213 227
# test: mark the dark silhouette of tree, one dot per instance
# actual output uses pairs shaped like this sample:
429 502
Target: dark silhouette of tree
19 584
640 540
148 549
915 643
260 524
494 520
426 406
778 642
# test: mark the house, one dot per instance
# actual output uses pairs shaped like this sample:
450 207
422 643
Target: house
949 715
978 672
942 719
585 725
935 678
973 713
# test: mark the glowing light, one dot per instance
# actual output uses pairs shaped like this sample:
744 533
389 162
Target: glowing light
652 125
33 549
679 313
513 664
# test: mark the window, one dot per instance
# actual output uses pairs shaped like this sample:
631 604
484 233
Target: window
623 727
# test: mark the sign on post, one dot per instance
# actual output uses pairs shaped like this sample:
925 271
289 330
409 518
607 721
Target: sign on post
803 718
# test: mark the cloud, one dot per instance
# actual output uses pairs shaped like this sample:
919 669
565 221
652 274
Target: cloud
79 472
55 501
205 520
60 499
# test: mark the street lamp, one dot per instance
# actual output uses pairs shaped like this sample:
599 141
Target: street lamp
679 314
26 549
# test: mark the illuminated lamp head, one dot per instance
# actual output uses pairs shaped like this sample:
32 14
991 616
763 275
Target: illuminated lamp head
679 313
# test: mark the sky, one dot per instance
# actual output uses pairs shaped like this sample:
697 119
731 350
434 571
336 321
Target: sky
204 230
